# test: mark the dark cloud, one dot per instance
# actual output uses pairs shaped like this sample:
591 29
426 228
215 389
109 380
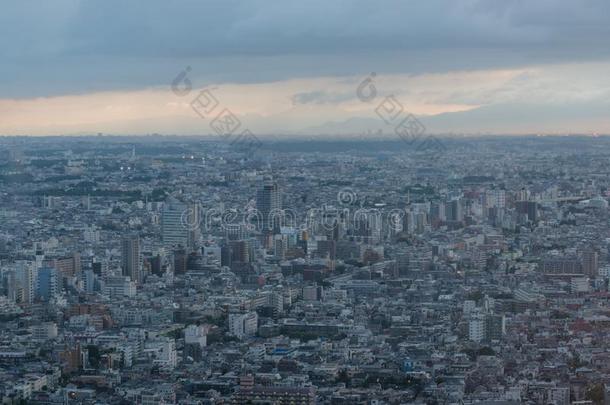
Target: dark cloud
68 46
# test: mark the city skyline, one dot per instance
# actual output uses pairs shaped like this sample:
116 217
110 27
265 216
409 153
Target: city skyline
290 202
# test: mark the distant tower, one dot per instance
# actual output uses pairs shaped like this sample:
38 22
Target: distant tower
240 251
529 208
179 224
268 200
131 258
437 212
27 279
590 263
235 231
47 283
453 210
174 231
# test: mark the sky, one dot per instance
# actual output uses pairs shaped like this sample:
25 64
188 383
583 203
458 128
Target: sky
287 68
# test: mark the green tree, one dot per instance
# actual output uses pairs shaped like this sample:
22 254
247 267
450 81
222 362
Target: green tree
595 393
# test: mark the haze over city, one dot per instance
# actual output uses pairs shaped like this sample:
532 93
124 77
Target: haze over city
304 202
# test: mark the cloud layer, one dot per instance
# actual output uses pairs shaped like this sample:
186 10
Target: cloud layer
285 66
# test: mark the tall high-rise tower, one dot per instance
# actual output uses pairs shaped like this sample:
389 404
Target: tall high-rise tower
268 201
453 210
47 283
590 262
179 224
131 258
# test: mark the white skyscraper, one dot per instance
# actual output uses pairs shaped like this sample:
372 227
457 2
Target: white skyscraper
27 280
476 328
179 224
243 325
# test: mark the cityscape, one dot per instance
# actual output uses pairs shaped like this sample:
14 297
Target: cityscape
284 202
183 270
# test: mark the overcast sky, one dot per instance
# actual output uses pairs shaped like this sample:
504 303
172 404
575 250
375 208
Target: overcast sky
293 67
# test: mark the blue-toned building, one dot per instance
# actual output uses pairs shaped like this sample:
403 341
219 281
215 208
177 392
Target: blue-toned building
47 283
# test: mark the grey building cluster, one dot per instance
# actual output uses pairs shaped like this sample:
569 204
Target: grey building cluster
181 271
